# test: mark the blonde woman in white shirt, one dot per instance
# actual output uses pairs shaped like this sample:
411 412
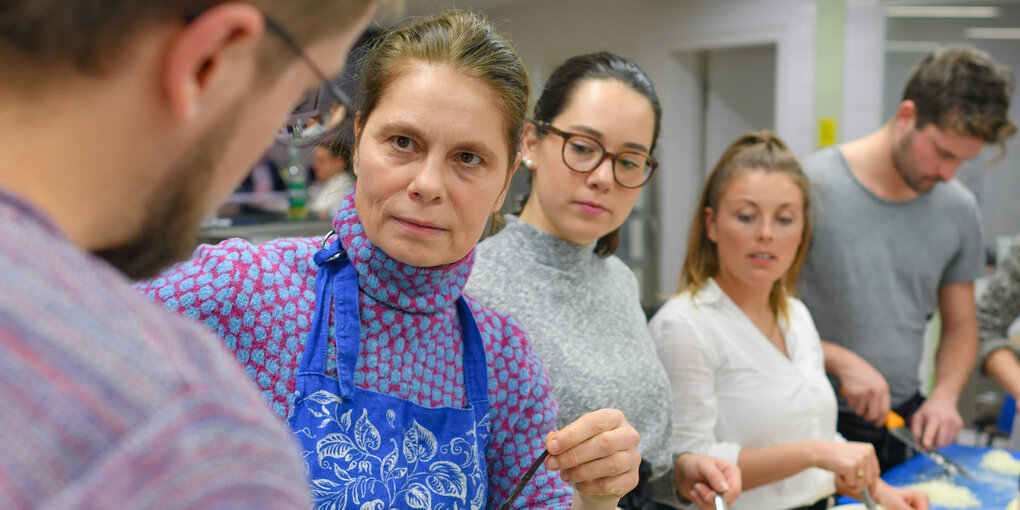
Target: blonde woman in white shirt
742 353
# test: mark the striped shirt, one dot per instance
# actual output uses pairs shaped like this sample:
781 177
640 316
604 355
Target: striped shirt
110 402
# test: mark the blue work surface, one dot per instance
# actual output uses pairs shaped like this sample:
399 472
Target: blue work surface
994 490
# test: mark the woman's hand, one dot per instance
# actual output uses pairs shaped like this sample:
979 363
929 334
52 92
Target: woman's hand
598 455
699 478
855 465
894 498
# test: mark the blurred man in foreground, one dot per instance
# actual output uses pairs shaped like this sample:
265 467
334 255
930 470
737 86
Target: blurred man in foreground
121 124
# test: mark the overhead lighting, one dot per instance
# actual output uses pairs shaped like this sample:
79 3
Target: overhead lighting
912 46
992 33
941 11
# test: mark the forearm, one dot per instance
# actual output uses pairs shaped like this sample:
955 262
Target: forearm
762 466
958 347
837 358
1005 370
955 360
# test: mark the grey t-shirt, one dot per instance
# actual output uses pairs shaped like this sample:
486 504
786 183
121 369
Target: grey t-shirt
873 271
583 315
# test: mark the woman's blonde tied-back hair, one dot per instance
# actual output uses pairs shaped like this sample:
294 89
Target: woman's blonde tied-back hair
754 152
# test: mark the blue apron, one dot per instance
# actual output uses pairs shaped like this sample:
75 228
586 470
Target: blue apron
367 450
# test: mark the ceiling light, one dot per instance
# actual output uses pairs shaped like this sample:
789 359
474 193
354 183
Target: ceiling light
912 46
941 11
992 33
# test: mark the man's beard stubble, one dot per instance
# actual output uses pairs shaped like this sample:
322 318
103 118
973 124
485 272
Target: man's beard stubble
906 166
169 230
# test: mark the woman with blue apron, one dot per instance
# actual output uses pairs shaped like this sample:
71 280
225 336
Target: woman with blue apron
366 448
435 401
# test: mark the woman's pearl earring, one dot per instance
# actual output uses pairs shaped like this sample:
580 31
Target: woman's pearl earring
528 163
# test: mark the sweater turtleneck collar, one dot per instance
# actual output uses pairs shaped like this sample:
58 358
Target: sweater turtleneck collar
548 249
402 286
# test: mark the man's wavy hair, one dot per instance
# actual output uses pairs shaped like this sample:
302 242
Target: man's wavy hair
962 89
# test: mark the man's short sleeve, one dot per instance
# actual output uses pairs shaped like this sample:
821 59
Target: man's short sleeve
968 264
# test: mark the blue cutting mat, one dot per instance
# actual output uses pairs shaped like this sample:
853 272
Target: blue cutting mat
994 490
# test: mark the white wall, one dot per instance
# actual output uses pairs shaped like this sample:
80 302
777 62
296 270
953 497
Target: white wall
862 68
741 88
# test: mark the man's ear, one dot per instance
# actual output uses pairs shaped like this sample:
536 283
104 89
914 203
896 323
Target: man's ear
204 54
906 115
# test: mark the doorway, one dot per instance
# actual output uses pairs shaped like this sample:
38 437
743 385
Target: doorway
738 90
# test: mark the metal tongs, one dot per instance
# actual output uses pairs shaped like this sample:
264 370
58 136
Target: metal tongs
897 427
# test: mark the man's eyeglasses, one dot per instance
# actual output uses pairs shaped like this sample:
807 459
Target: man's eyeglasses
582 153
321 110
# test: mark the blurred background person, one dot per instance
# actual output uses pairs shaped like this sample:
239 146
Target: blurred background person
124 123
998 308
333 179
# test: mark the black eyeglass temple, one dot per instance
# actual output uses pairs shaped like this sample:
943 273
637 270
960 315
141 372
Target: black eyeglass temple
275 27
337 93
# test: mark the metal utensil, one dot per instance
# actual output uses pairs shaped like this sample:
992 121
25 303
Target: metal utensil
524 481
720 503
869 501
896 426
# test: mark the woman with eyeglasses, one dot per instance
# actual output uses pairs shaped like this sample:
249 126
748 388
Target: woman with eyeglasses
401 392
588 152
743 354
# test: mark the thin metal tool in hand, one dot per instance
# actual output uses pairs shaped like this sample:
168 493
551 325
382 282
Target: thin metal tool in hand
720 503
524 481
869 501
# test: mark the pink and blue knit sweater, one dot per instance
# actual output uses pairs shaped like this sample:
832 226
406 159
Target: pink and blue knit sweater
260 300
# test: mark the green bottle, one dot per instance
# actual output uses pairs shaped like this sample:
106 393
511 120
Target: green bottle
296 176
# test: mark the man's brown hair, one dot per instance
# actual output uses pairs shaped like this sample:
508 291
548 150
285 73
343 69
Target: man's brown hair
88 35
963 89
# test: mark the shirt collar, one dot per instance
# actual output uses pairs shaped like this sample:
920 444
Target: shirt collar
15 208
710 294
548 249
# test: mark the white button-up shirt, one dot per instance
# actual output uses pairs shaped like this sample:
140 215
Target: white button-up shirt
733 389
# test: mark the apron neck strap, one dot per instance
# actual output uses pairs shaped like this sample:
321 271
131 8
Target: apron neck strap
337 283
476 373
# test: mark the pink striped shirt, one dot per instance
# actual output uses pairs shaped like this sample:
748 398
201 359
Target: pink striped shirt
110 402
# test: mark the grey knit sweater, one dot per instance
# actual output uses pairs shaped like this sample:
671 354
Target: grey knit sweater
1000 304
583 315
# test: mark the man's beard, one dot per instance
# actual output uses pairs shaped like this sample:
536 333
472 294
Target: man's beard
169 229
906 166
